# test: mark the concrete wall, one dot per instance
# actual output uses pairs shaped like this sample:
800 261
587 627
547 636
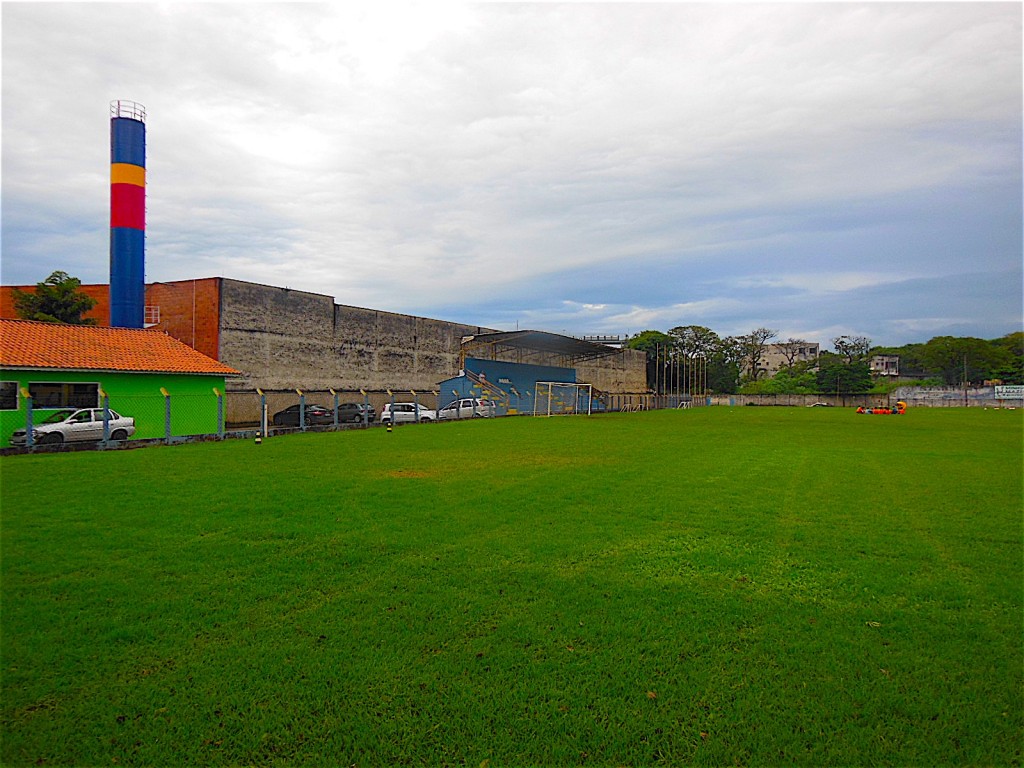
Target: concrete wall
285 339
625 371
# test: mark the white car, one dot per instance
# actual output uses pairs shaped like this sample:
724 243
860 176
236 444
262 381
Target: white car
468 408
74 426
402 412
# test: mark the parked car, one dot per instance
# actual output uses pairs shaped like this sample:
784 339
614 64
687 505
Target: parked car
76 425
468 408
316 415
402 412
353 412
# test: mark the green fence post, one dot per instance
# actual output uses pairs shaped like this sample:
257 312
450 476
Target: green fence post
29 438
302 410
331 389
366 407
167 414
220 413
105 399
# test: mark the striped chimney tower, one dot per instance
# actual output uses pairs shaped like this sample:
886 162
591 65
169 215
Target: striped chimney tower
127 214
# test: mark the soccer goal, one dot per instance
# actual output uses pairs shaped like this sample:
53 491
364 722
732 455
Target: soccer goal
555 397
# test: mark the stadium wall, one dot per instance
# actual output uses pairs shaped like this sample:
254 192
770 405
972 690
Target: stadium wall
282 338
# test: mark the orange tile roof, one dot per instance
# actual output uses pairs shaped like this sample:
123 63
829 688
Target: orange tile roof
29 344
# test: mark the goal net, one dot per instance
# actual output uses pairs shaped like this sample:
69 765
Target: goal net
554 397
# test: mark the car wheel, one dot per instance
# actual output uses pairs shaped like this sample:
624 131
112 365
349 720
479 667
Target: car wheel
51 438
119 434
424 418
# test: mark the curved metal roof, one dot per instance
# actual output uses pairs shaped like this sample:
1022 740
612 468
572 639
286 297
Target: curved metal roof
572 349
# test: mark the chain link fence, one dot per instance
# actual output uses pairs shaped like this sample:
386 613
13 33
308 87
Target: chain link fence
165 417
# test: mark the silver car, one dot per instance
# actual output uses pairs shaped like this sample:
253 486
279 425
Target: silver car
468 408
402 412
76 425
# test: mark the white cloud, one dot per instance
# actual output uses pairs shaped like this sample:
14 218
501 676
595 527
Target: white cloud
372 152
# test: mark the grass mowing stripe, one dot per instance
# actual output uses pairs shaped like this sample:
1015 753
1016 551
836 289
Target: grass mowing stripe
707 587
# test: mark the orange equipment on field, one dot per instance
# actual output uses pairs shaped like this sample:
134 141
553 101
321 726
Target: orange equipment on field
897 410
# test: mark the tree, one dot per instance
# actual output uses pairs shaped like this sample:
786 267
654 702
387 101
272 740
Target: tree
723 367
853 348
751 347
656 345
960 359
56 300
650 342
1011 370
790 349
837 376
788 381
692 340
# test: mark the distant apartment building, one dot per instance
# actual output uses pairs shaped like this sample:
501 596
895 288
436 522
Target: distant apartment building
786 354
885 365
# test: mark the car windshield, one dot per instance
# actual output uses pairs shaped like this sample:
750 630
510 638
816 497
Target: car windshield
56 417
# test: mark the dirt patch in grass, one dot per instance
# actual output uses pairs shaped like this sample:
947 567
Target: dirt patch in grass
409 474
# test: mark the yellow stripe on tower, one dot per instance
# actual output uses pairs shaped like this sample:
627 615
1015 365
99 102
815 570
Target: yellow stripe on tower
126 173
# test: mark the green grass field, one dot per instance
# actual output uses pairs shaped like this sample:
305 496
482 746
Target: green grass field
720 586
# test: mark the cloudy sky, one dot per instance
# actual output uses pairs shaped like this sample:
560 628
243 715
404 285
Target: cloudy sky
815 168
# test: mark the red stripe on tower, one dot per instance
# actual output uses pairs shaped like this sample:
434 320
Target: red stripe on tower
127 206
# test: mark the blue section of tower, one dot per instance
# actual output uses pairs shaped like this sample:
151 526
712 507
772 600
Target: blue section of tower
127 141
127 277
127 244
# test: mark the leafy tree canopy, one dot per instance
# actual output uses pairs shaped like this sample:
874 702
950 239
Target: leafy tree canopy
692 340
960 359
651 342
57 299
836 375
853 348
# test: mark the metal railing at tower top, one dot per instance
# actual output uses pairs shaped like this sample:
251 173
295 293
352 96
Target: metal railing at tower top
130 109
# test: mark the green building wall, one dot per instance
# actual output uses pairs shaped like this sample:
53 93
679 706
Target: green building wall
193 402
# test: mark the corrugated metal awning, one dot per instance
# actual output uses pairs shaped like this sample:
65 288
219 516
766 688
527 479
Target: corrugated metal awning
570 349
